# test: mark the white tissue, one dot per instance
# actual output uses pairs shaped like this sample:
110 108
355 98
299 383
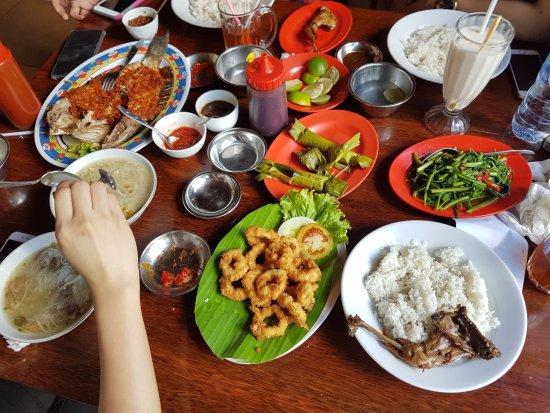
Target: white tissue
531 217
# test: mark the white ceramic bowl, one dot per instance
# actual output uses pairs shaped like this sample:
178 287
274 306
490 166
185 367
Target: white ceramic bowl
147 31
171 122
123 154
404 27
504 295
225 122
7 266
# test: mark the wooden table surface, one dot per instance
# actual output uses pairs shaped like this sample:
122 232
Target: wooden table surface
330 371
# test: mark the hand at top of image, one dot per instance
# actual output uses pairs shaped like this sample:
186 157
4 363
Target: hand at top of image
76 9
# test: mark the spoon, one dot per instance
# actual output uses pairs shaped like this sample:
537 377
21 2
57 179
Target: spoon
54 178
454 151
168 140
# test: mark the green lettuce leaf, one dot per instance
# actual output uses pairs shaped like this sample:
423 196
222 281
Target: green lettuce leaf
323 208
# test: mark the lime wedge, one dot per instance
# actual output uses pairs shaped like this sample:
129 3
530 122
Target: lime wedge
394 95
314 90
320 100
317 66
333 74
308 78
250 57
326 83
299 98
293 85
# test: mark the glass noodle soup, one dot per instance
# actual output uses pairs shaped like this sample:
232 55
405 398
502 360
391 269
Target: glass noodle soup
44 294
133 182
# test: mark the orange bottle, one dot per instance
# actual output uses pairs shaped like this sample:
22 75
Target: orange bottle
17 99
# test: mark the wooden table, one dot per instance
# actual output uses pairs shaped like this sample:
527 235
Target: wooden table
330 372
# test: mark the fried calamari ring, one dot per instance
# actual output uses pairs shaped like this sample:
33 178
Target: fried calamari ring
305 270
255 253
280 255
259 327
296 313
231 291
249 287
271 284
305 294
233 265
255 235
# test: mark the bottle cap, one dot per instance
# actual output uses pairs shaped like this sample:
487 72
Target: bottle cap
265 73
4 53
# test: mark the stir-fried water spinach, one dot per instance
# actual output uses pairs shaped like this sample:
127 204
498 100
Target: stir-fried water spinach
467 180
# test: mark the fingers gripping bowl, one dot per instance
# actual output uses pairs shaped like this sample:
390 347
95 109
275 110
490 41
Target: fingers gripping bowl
134 175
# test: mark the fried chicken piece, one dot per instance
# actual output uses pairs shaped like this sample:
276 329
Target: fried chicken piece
323 18
455 336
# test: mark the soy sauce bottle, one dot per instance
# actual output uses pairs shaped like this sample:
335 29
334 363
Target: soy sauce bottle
267 107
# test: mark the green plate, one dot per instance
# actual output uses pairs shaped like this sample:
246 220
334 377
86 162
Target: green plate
225 324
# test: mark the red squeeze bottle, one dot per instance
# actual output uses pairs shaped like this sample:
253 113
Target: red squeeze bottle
17 99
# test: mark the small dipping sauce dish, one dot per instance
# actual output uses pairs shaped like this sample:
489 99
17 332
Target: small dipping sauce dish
211 195
236 150
220 107
184 126
4 153
356 54
141 22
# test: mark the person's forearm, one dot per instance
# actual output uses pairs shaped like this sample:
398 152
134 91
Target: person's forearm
128 382
531 21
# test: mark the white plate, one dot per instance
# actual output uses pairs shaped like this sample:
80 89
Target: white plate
505 299
181 9
20 254
331 300
404 27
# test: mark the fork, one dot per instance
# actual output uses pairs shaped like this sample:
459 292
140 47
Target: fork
109 80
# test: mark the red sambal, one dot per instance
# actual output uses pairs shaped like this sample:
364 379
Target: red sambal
186 137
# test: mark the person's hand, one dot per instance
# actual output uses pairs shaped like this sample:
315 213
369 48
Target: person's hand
95 238
77 9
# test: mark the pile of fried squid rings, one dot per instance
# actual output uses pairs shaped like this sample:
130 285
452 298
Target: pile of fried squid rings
277 278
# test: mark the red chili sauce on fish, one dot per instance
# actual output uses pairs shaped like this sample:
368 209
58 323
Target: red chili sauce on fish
186 137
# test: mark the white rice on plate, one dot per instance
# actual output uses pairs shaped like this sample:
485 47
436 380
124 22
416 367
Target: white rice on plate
427 48
205 10
410 284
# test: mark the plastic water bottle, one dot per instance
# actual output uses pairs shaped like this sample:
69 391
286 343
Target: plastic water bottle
531 123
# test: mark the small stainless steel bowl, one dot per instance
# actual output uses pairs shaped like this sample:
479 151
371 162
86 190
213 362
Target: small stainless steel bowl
236 150
4 154
384 73
149 261
371 50
203 57
211 195
231 64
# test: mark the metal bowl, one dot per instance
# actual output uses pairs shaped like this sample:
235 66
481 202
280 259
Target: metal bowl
371 50
4 154
231 65
236 150
203 57
370 97
211 195
151 255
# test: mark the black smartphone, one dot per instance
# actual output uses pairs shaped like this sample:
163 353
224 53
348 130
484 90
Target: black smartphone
114 9
79 47
13 241
525 65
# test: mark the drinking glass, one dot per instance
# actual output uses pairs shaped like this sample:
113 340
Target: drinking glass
244 22
471 62
538 266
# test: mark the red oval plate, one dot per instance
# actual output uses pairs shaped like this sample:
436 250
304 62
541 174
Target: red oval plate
293 41
521 174
296 66
338 126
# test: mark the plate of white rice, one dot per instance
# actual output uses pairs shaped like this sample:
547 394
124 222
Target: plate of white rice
400 274
202 13
420 41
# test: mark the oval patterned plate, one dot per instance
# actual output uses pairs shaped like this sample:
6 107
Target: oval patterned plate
54 149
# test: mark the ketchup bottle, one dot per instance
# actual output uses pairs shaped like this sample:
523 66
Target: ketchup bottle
17 99
267 107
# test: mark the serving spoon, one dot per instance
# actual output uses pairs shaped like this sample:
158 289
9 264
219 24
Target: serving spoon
454 151
54 178
169 140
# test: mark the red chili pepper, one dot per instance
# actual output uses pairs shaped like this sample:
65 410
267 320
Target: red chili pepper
166 278
486 179
184 276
